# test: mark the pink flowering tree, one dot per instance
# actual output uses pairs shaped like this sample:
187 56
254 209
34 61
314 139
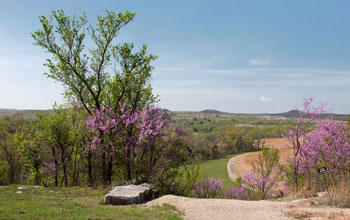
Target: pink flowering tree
326 146
256 183
131 137
296 135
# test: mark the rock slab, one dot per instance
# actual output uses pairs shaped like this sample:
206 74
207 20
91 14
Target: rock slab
129 194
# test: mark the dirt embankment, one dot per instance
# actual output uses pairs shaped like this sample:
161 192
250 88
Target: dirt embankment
242 163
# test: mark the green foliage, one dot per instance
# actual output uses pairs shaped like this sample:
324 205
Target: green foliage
48 143
169 175
206 123
268 162
186 179
29 142
10 161
131 85
87 77
59 136
98 77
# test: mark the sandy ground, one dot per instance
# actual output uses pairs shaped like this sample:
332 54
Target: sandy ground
222 209
219 209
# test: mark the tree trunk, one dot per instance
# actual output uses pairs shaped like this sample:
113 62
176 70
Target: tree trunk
128 164
75 176
90 179
109 170
56 165
64 165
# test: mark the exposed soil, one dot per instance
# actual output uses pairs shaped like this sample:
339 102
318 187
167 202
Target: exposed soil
242 163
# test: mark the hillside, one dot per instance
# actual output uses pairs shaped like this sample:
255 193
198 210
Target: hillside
296 113
289 114
24 113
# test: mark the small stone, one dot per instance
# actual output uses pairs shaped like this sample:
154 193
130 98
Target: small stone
19 192
24 187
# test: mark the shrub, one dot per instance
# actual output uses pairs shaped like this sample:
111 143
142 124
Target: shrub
260 184
208 188
266 172
179 181
237 193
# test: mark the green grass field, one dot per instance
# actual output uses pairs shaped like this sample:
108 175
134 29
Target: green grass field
72 203
218 169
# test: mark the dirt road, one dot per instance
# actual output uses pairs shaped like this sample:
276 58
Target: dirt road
222 209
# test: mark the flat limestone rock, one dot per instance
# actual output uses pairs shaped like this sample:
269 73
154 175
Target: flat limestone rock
129 194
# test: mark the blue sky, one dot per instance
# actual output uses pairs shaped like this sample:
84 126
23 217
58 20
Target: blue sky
235 56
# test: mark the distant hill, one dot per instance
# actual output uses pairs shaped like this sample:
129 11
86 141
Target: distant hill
289 114
213 111
296 113
24 113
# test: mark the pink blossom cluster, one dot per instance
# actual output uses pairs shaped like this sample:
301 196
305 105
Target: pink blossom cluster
237 193
257 183
311 112
111 128
208 188
327 145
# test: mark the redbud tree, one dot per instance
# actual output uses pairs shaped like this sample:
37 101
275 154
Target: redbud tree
138 152
296 135
324 144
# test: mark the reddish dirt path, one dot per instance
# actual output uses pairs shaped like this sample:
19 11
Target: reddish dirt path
243 163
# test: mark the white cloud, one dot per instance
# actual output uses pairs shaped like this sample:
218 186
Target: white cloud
264 99
261 61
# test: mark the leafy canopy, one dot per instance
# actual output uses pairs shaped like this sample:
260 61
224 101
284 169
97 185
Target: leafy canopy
86 72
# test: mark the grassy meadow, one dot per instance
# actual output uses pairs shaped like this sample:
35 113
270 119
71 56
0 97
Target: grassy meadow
72 203
218 169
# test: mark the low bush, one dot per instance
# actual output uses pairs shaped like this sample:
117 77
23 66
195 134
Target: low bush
237 193
266 171
208 188
182 181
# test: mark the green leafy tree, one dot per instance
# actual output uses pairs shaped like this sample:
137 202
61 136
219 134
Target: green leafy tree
29 142
58 133
84 77
10 161
87 73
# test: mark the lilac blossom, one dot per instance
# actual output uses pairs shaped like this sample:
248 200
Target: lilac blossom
296 135
262 184
110 128
208 188
328 146
237 193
